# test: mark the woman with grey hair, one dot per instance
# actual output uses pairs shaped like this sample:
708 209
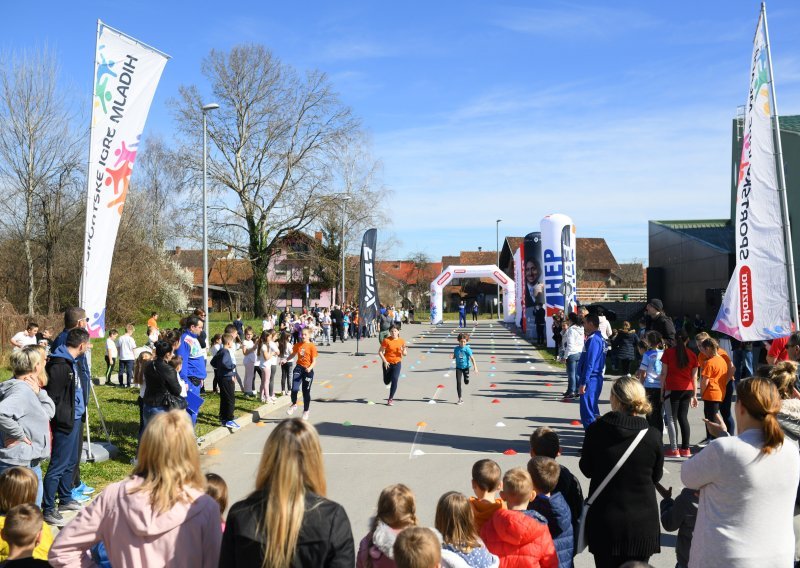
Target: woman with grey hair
25 413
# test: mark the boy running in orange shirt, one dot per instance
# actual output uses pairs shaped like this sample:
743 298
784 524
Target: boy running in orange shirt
392 351
303 374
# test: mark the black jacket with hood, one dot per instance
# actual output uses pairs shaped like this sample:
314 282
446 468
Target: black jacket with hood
61 385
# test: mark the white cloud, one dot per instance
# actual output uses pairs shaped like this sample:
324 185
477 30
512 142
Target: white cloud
573 20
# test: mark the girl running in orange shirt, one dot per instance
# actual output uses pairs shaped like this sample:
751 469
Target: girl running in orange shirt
392 351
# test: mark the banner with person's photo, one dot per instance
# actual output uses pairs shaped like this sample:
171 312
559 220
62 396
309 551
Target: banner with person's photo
533 285
368 305
126 74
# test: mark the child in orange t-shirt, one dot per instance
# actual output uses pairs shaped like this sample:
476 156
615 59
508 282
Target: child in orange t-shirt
303 374
713 383
392 351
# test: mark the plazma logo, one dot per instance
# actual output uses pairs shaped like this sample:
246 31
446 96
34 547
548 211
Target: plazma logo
120 177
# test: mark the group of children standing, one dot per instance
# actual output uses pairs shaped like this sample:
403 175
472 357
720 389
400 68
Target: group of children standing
532 523
670 376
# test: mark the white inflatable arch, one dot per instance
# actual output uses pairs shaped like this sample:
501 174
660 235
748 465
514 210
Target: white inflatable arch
488 271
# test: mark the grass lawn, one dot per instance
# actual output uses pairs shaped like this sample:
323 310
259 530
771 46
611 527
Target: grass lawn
121 414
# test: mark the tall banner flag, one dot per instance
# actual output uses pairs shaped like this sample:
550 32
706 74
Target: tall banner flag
558 256
759 302
368 304
126 74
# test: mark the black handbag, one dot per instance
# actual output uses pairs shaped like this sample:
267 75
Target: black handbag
172 402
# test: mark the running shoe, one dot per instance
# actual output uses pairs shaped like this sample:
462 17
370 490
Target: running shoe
305 415
704 443
235 423
672 454
73 505
54 518
231 425
390 402
687 453
466 381
85 489
291 409
460 401
76 495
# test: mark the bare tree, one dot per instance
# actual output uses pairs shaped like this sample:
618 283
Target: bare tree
57 208
35 147
422 264
273 141
160 178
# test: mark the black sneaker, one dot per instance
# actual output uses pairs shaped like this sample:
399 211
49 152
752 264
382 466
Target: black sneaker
466 381
70 506
54 518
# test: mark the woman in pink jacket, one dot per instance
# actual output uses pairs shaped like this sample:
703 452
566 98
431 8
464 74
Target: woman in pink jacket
159 516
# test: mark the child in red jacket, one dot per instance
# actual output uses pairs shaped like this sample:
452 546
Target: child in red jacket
519 537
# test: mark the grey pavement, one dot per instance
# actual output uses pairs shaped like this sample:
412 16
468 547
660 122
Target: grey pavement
429 446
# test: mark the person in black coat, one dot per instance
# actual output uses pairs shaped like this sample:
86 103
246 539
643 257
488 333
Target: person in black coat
290 476
624 346
160 381
337 323
623 522
658 321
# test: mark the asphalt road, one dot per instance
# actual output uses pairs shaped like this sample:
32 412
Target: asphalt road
429 446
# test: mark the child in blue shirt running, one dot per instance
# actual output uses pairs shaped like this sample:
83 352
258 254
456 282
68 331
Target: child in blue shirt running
463 356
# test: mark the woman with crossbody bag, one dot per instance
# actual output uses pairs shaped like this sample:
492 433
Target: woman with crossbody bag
622 520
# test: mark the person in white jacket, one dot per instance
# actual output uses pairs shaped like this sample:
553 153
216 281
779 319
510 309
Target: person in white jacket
571 349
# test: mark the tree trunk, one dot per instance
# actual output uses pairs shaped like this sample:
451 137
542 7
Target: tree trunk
27 245
260 285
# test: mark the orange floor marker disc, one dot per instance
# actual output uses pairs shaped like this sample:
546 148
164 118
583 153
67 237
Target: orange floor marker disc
496 401
421 424
510 452
576 422
213 452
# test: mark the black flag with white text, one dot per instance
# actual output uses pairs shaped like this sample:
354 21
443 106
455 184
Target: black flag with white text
368 291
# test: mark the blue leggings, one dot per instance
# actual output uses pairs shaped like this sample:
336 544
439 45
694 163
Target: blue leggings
302 378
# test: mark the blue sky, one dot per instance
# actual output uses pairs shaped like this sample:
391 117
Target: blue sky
610 112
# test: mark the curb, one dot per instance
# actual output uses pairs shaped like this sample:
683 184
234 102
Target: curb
257 415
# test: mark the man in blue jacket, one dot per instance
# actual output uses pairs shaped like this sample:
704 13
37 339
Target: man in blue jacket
590 370
66 391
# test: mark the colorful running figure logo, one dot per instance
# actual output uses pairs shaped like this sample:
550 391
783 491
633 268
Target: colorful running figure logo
104 72
120 177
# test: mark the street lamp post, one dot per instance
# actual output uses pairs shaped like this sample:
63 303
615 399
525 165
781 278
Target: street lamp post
205 108
497 246
345 198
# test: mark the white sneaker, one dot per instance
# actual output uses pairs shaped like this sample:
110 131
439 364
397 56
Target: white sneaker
305 415
291 409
